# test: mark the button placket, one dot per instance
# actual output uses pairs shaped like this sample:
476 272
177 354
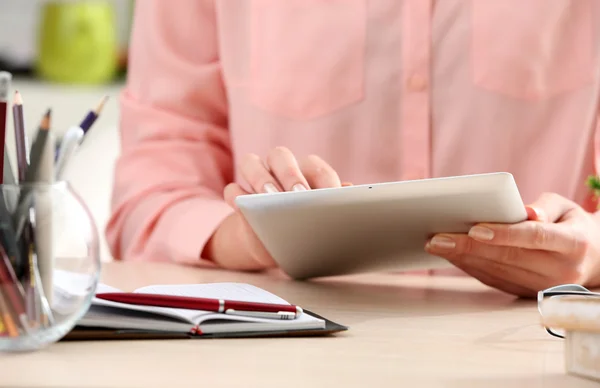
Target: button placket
415 131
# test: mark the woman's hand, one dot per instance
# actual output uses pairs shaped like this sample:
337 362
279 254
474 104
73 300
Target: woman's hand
234 245
559 243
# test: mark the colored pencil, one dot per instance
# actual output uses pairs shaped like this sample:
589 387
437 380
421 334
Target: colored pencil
93 115
7 235
9 239
3 330
5 81
37 150
7 318
20 136
27 241
12 288
9 177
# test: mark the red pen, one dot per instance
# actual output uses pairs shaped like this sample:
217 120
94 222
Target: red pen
248 309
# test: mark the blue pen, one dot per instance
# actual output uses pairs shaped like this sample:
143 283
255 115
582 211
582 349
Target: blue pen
73 138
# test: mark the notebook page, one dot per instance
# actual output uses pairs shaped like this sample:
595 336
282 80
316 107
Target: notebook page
67 283
305 321
101 316
70 287
229 291
102 288
75 283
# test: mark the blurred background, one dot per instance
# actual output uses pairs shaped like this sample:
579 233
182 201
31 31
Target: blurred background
70 51
67 55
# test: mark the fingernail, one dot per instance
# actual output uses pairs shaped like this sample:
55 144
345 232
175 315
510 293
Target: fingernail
270 188
443 242
481 233
299 187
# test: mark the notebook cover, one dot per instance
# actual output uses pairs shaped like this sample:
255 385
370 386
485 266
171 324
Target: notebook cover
93 334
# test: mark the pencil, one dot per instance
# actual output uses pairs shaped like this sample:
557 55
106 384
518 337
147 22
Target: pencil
37 148
5 80
37 151
20 136
92 115
11 286
9 177
7 319
27 240
8 237
33 308
44 250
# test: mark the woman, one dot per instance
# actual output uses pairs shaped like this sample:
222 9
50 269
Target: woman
226 98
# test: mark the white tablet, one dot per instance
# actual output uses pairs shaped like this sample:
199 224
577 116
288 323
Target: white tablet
379 227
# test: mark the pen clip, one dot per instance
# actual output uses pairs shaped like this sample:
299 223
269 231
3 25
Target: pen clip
283 315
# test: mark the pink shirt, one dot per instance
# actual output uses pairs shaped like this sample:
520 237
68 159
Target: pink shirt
384 90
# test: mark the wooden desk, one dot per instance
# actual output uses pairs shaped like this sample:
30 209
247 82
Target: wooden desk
404 331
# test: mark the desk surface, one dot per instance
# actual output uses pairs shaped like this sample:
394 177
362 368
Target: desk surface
426 332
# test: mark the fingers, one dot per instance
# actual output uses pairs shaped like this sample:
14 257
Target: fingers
560 238
319 173
513 273
282 172
284 166
254 171
456 246
517 265
549 207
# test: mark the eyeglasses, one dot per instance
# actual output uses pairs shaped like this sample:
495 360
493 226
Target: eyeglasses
561 291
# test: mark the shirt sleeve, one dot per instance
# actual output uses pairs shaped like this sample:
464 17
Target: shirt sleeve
175 152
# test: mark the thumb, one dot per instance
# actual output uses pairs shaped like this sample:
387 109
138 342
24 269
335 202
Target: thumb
549 207
231 192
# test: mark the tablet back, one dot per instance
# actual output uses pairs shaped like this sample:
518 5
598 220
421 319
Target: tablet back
381 227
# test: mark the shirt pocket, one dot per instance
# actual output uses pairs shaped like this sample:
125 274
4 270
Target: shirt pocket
307 57
532 49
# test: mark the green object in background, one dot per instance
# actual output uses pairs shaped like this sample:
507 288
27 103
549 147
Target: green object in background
78 42
593 183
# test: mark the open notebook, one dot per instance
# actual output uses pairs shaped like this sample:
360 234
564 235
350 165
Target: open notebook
107 318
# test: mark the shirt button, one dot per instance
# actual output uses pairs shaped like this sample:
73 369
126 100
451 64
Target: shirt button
417 83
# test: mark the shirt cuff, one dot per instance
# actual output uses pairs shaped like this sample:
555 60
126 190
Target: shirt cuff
184 229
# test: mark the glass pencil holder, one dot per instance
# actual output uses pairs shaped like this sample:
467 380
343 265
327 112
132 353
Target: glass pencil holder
49 264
